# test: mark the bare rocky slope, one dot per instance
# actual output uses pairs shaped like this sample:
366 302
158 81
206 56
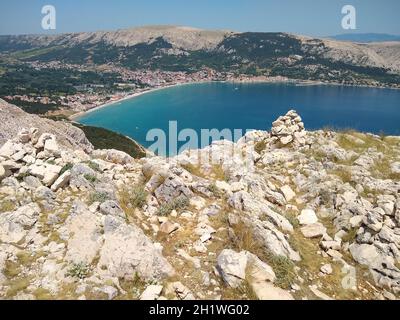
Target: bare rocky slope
13 119
281 214
155 46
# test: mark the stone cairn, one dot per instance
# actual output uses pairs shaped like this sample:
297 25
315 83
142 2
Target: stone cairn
289 129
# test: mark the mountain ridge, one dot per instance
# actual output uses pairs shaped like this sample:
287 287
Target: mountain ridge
366 37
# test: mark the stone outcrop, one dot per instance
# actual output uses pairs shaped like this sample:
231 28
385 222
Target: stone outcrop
13 120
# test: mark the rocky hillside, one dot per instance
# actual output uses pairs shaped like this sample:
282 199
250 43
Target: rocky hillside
186 49
13 119
284 214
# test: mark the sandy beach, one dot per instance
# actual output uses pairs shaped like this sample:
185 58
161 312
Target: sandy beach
76 116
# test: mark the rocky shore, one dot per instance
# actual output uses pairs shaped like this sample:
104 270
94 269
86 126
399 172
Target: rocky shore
314 215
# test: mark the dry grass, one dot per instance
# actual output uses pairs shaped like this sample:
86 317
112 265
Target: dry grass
133 198
382 170
344 174
42 294
7 206
133 287
244 239
350 236
243 292
194 170
11 269
260 146
330 284
17 285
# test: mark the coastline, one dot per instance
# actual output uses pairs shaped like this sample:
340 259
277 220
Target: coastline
75 116
296 82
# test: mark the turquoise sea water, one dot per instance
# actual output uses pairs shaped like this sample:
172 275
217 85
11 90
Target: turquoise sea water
251 106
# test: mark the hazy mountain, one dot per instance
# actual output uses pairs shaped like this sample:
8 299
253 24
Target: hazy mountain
366 37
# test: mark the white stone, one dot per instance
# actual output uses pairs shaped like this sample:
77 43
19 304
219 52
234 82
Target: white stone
127 251
288 193
232 266
61 181
307 216
2 172
51 146
86 239
313 230
326 269
152 292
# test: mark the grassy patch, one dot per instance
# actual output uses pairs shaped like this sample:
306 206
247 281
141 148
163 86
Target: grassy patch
283 267
350 236
138 196
344 174
284 270
17 285
135 198
7 206
180 203
260 146
194 170
98 197
91 178
243 292
133 287
11 269
218 173
67 167
382 170
42 294
93 165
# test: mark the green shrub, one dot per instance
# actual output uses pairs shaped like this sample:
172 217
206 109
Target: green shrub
78 270
91 178
138 196
284 270
98 197
93 165
67 167
179 203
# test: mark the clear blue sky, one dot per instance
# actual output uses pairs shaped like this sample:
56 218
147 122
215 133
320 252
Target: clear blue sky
309 17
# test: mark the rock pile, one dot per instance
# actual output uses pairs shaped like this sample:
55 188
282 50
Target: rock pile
289 129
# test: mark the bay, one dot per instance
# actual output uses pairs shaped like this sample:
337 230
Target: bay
251 106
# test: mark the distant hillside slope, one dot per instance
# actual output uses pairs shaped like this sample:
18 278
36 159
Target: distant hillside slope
366 37
187 49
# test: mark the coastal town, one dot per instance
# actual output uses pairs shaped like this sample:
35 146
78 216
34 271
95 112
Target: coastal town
133 82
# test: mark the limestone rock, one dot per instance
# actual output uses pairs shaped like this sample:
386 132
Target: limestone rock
232 266
86 240
151 292
112 208
289 128
307 216
313 230
127 251
2 173
14 225
270 292
114 156
288 193
168 227
61 181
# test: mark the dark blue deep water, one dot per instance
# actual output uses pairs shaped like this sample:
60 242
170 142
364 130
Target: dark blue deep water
251 106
